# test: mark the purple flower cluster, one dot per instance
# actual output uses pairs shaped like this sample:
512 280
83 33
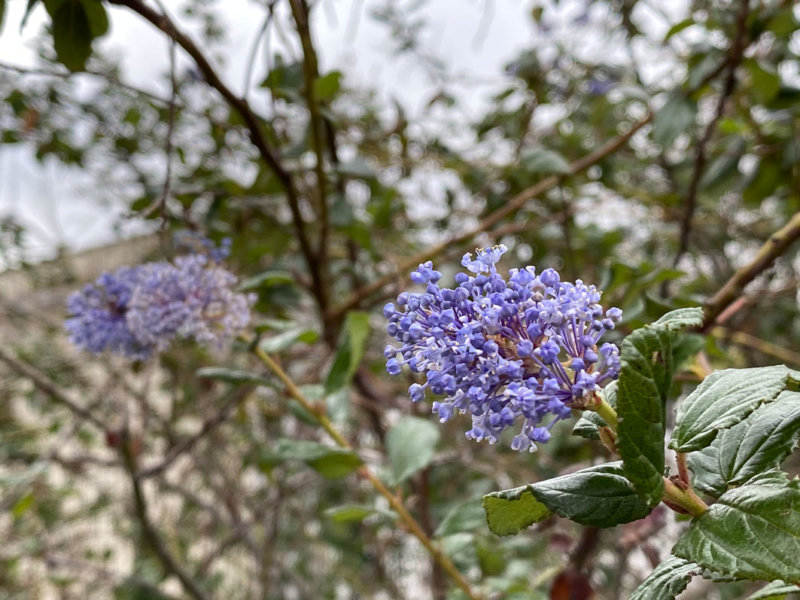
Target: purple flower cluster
502 349
137 311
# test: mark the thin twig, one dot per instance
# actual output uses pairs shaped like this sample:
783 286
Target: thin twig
149 531
750 341
236 398
776 245
397 505
254 125
489 221
731 64
49 387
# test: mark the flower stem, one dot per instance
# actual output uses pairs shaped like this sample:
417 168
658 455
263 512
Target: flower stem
685 498
396 503
605 410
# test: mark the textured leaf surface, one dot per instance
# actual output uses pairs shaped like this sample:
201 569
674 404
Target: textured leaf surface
644 382
777 590
600 496
723 399
753 532
759 443
411 444
668 580
510 511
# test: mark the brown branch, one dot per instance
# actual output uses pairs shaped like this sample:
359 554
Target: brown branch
747 340
731 64
149 532
489 221
776 245
210 424
49 387
254 126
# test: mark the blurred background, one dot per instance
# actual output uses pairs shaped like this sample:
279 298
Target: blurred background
650 148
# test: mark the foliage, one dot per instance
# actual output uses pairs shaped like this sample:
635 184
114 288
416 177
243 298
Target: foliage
661 165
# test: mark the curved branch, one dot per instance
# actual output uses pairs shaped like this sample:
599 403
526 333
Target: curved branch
490 220
776 245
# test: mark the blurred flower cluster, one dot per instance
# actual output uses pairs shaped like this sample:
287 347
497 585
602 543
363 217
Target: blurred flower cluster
136 311
522 348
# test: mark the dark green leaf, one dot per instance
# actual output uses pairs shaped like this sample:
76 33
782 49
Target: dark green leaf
757 444
674 118
72 34
96 14
668 580
723 399
753 532
766 83
2 12
348 513
510 511
600 496
410 444
678 27
644 382
231 375
545 162
777 590
350 351
265 279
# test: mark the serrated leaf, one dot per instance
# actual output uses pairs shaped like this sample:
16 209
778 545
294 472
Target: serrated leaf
723 399
777 590
752 532
668 580
231 375
510 511
545 161
463 517
759 443
72 34
675 117
646 356
351 349
588 426
411 445
599 496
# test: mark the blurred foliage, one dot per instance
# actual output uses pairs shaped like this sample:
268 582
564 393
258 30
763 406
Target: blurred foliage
262 506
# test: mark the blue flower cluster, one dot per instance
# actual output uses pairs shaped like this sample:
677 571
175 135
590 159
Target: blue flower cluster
136 311
526 347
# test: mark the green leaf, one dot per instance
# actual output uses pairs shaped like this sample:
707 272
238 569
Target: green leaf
327 461
752 532
723 399
777 590
599 496
265 280
510 511
646 356
96 14
588 426
72 33
348 513
286 339
350 351
668 580
466 516
2 12
765 80
674 118
545 161
759 443
678 27
411 445
231 375
327 86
